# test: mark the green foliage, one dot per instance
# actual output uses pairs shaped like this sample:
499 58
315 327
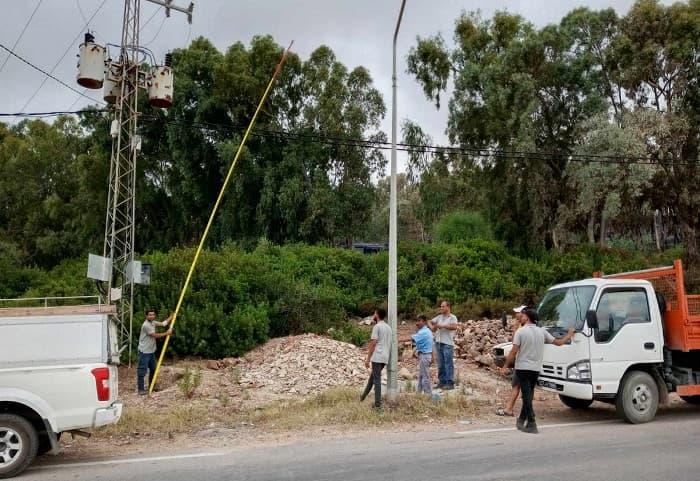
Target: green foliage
460 226
190 382
239 299
351 333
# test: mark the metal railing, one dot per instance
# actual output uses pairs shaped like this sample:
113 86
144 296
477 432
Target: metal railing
45 300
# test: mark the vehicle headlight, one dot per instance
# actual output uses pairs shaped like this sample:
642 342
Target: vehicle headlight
580 371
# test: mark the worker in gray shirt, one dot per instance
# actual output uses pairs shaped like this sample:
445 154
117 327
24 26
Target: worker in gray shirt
378 354
445 325
527 352
147 348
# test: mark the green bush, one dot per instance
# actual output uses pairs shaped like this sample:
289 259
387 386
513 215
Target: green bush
238 299
461 226
351 333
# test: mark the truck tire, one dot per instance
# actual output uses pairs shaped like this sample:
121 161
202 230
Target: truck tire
695 400
575 403
18 445
638 398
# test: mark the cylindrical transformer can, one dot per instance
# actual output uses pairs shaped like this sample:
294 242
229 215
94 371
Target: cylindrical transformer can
160 92
91 66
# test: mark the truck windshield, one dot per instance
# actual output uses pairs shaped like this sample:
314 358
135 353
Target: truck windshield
565 307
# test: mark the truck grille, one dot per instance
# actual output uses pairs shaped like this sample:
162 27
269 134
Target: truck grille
552 370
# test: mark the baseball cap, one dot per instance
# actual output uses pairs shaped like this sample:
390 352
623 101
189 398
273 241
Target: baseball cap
520 308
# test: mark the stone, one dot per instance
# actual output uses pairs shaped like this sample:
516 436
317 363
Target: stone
405 374
213 364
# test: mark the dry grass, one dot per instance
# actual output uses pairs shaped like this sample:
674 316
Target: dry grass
335 407
341 407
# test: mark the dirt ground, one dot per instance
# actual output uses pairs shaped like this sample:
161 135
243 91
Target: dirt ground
228 387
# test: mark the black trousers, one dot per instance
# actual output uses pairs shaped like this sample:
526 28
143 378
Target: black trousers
528 380
375 379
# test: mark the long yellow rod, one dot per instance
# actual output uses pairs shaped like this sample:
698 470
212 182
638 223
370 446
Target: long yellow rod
215 209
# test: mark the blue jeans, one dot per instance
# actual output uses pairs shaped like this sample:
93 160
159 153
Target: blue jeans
146 361
445 362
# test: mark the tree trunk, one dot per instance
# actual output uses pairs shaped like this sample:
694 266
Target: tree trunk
690 244
591 228
657 229
603 229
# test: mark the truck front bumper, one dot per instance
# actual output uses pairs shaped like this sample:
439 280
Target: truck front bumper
108 415
566 388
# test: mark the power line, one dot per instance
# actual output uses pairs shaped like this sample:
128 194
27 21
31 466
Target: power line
52 113
26 104
325 139
48 75
432 149
21 34
157 33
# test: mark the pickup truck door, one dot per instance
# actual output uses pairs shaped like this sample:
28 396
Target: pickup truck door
625 336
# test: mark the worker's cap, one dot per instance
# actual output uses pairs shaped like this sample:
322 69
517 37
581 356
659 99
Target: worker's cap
520 308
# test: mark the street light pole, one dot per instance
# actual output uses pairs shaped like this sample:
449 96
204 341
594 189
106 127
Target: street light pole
392 381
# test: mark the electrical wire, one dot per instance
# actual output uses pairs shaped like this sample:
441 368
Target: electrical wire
21 34
156 35
26 104
48 75
325 139
53 113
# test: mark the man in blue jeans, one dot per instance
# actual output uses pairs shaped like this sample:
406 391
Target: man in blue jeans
147 348
444 327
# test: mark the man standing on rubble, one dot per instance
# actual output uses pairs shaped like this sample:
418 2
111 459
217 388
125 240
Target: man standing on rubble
378 355
445 325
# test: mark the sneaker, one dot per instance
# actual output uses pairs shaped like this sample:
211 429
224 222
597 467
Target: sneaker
142 393
449 387
520 424
531 428
439 386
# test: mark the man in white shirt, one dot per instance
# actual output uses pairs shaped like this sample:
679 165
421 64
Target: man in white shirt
445 325
377 354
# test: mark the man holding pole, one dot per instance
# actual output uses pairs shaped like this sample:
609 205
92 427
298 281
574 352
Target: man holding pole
147 348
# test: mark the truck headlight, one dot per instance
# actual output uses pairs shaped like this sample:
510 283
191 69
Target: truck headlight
580 371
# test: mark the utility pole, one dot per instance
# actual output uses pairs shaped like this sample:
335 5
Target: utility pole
123 79
392 373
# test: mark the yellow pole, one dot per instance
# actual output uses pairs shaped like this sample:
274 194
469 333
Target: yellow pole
213 212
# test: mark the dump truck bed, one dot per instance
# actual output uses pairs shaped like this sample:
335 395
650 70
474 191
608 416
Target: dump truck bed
682 316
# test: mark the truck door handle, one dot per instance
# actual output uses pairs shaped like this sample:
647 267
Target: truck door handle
649 345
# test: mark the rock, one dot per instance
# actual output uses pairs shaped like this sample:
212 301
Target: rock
405 374
213 364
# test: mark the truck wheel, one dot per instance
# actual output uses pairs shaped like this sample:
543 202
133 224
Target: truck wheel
692 400
18 445
638 398
575 403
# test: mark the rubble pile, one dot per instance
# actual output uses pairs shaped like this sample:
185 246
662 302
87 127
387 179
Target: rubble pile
475 339
301 365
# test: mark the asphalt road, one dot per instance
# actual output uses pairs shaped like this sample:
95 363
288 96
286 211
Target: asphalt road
666 449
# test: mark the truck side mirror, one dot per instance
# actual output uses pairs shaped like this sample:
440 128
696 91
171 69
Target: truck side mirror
592 319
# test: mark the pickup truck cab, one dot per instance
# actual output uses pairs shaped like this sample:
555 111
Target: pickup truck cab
58 373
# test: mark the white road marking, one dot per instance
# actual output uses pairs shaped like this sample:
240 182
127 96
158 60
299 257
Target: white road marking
127 461
541 426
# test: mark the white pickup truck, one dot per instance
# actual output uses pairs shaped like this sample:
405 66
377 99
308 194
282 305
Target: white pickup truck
58 373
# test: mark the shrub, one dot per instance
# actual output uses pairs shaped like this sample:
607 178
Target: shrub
460 226
351 333
190 382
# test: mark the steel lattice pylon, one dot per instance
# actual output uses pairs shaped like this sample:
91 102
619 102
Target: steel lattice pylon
121 205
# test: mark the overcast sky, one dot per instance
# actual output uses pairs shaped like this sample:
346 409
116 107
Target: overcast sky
359 31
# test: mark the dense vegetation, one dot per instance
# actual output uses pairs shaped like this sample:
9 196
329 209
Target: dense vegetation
240 298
